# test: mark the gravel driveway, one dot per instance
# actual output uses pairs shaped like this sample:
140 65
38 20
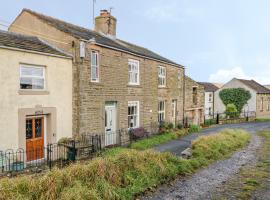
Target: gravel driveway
204 183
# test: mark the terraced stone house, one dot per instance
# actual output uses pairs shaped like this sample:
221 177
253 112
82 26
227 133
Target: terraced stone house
116 84
194 102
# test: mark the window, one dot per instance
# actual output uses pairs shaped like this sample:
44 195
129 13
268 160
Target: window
210 111
262 104
133 72
133 114
195 95
32 77
179 75
161 111
210 97
94 66
161 76
268 104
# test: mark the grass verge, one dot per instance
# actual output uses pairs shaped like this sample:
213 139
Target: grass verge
152 141
262 119
123 173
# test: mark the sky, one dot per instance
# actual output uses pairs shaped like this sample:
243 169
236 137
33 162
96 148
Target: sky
215 40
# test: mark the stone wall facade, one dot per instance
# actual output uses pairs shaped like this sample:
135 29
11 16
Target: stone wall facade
263 106
89 98
194 109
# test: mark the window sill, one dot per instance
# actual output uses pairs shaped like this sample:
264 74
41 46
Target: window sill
134 85
162 87
33 92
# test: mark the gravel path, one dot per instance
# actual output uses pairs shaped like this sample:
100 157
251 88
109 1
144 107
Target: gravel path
202 184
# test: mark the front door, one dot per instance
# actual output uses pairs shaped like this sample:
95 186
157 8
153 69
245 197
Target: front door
110 124
174 110
35 138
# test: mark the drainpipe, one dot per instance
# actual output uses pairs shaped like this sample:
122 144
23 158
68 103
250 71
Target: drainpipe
184 96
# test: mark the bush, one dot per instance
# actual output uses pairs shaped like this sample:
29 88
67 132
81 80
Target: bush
180 126
193 128
231 111
170 126
237 96
209 122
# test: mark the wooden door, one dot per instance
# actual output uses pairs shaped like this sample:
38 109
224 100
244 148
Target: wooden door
35 138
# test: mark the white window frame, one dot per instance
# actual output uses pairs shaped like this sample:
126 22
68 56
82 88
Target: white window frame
162 76
210 97
32 76
132 73
262 104
96 66
161 111
137 103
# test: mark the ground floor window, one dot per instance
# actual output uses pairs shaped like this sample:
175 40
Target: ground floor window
161 111
133 114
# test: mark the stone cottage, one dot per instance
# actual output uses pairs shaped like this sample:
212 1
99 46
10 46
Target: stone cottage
116 84
194 102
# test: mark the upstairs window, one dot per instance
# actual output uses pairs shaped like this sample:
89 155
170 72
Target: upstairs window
210 97
94 66
195 95
133 72
262 104
32 77
133 114
161 76
161 111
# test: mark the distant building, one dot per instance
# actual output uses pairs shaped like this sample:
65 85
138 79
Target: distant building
194 102
209 106
259 102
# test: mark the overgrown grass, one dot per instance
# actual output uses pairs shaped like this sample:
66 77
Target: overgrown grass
122 173
156 140
262 119
194 128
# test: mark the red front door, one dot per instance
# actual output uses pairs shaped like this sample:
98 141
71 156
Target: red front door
35 138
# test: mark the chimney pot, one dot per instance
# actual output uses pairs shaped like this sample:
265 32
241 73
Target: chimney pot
106 23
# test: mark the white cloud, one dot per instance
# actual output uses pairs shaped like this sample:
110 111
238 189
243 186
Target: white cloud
225 75
172 11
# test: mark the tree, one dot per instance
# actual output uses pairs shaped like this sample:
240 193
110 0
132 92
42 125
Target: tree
231 110
237 96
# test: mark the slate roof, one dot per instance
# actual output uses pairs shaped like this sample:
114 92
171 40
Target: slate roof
19 41
260 89
209 87
87 34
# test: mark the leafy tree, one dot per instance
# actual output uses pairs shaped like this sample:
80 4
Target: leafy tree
237 96
231 110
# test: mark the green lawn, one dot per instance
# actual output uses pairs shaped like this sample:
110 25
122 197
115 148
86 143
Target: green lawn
122 173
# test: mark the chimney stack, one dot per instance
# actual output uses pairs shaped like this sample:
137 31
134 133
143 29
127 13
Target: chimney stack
106 23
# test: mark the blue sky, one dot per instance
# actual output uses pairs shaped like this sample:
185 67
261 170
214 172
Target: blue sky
215 40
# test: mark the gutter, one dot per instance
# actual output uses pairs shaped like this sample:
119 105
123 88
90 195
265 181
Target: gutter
35 52
135 54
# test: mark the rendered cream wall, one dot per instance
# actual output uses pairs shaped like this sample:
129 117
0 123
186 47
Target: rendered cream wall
234 83
59 85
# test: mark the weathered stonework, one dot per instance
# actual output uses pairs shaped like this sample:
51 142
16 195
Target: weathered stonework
263 109
89 98
194 112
